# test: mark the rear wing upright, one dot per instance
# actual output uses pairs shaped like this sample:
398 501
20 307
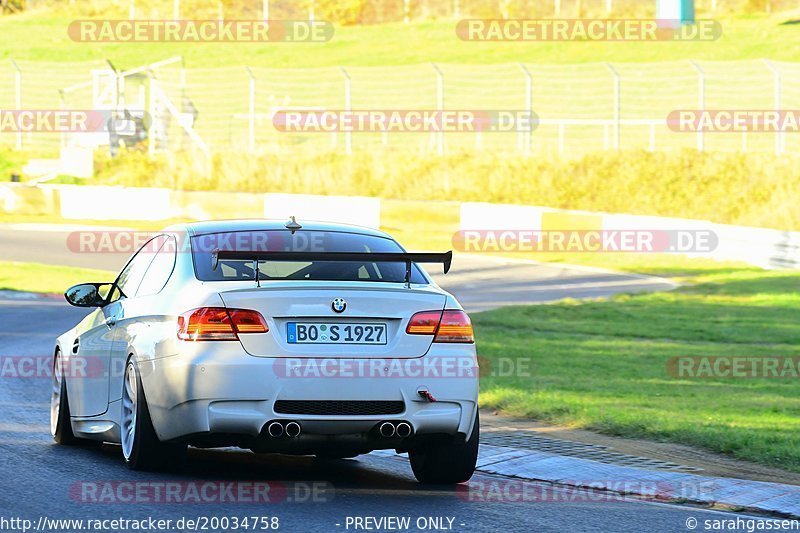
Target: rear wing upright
445 258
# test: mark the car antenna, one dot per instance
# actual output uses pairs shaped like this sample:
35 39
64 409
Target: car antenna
293 225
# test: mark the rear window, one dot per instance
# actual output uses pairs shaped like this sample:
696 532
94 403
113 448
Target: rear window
301 241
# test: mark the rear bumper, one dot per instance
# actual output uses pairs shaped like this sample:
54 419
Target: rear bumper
217 389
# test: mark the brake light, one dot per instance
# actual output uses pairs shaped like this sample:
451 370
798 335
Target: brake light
246 321
424 323
219 324
447 326
455 326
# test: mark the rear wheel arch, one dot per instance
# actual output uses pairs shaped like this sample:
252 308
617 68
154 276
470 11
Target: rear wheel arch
147 451
144 383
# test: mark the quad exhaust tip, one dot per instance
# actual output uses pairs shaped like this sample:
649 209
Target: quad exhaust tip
403 429
292 429
275 429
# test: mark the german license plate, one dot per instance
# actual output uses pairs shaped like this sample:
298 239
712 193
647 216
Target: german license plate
327 333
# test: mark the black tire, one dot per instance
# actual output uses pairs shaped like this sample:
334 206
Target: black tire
62 433
447 463
148 452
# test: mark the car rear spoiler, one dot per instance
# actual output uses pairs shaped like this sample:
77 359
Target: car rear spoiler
446 258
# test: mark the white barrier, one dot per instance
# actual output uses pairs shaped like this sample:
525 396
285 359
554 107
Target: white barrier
8 199
767 248
114 203
358 210
477 215
762 247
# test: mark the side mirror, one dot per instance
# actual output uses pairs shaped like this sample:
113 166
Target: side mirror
88 294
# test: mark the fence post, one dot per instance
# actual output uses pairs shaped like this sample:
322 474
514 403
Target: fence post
311 11
608 7
132 10
183 76
62 101
440 107
153 131
617 104
557 8
503 8
701 103
526 135
348 106
252 118
406 11
776 73
265 9
118 104
18 93
176 9
456 9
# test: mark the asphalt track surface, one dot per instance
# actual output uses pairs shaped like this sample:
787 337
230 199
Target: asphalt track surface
41 479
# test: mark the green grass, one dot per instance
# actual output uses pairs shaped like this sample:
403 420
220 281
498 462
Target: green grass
43 37
602 365
36 277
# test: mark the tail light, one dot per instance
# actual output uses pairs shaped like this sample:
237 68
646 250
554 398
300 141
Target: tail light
447 326
424 323
455 326
219 324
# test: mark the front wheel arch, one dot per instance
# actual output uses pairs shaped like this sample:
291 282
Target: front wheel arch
60 419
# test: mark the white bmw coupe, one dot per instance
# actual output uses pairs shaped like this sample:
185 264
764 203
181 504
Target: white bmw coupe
320 339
